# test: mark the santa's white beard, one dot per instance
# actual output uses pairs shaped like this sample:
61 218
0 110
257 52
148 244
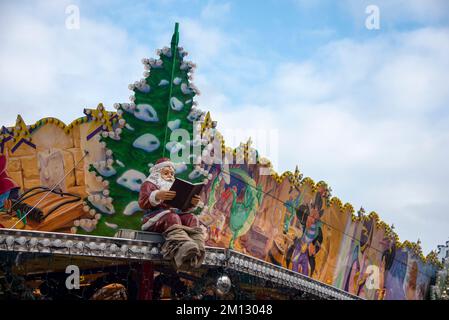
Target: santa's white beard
160 182
165 184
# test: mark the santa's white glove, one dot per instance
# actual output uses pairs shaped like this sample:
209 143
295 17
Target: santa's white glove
153 201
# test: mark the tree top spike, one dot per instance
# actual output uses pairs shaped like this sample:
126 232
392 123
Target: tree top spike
175 37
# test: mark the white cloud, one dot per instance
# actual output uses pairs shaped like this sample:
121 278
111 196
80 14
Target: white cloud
50 70
215 11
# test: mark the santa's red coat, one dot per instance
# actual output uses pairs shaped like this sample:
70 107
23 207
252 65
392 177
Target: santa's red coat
162 215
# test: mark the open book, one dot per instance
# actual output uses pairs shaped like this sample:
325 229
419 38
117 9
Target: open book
185 191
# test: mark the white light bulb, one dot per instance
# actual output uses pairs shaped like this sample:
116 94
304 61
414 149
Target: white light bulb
113 247
33 242
45 242
79 245
9 240
69 244
135 249
21 240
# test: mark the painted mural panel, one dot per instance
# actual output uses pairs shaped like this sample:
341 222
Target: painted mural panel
45 177
302 229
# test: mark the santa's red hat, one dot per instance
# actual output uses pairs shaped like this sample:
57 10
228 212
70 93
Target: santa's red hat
161 163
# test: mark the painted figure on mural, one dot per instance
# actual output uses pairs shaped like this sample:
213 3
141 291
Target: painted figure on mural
411 286
9 190
245 198
357 276
220 199
301 255
51 169
245 206
395 276
224 204
291 205
218 228
385 266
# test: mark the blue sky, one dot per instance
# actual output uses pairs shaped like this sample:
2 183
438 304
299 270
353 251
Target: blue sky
364 110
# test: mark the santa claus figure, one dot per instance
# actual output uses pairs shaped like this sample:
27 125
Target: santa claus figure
153 194
184 237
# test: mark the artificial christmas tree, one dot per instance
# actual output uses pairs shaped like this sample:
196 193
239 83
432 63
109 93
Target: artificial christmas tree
158 122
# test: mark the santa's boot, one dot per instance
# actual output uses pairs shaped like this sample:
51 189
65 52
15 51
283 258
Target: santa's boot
187 255
179 247
197 236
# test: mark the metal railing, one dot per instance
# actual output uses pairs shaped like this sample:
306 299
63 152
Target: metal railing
146 246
